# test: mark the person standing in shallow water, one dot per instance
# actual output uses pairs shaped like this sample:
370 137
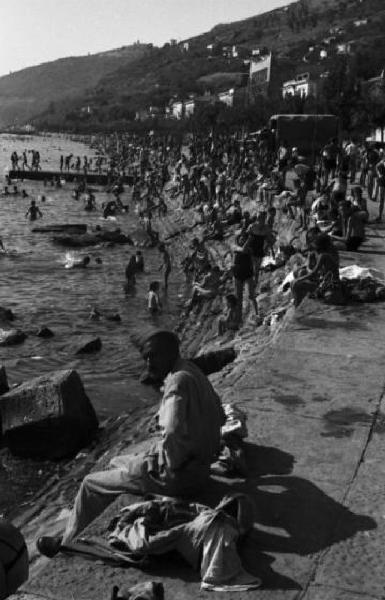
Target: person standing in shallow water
33 211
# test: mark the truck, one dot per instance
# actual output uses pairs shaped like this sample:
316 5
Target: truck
308 133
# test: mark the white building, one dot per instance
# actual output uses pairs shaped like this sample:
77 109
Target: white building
301 86
360 22
177 109
189 107
227 97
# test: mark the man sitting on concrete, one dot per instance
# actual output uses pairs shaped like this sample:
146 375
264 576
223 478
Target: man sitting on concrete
190 417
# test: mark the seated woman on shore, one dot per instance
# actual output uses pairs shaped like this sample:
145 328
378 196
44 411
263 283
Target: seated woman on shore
359 202
215 230
231 319
352 233
325 265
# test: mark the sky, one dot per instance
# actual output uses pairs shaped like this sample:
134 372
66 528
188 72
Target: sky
37 31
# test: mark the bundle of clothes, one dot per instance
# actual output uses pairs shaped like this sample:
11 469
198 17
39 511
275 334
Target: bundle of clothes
205 537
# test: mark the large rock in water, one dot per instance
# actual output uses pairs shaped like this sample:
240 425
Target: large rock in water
11 337
6 314
87 345
48 417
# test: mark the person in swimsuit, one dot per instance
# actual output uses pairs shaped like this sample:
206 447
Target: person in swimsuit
34 211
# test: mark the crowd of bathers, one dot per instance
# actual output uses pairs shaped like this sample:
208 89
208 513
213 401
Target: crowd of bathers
239 189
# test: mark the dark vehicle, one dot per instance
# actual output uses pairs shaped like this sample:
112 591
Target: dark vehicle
308 133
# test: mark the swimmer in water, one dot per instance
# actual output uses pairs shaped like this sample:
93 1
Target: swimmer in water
78 263
34 211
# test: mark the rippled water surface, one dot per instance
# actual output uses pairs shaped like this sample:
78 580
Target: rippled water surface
40 291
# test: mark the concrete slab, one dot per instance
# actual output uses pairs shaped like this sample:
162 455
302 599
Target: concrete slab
357 564
321 592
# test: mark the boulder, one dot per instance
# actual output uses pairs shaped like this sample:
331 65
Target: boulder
212 362
114 317
86 345
11 337
6 314
45 332
49 417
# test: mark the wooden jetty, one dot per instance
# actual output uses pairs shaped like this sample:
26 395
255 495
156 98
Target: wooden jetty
70 176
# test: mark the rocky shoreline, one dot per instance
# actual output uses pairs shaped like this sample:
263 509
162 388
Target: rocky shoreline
45 511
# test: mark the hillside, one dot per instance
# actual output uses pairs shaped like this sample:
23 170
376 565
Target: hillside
26 93
154 76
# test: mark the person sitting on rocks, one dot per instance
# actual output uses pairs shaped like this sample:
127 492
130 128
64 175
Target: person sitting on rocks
234 213
325 265
359 202
207 286
175 463
215 230
230 321
353 228
199 256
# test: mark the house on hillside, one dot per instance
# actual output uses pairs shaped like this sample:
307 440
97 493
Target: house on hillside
142 114
233 97
260 75
184 46
302 85
191 104
360 22
336 30
375 85
176 109
329 40
347 47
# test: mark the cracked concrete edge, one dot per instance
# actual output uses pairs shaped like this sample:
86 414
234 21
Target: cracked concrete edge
303 594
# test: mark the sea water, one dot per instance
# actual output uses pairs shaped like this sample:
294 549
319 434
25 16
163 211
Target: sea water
41 292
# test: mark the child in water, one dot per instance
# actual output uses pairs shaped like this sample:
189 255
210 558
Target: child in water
33 212
153 301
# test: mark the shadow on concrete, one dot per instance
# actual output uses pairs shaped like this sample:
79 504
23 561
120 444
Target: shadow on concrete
319 323
312 519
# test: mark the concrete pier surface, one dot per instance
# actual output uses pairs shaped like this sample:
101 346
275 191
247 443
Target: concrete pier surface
314 397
